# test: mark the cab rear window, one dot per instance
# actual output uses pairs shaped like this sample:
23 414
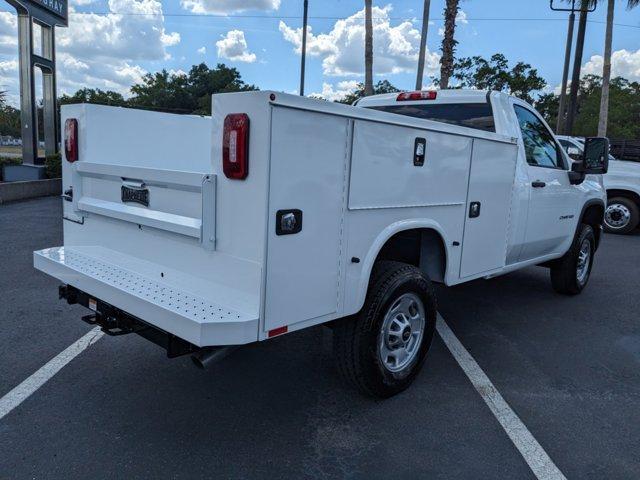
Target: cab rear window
472 115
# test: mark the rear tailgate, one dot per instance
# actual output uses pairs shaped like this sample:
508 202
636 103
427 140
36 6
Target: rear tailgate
140 226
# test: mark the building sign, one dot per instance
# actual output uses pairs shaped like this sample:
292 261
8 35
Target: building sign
51 12
57 7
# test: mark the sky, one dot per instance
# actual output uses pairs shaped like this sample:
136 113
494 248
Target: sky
111 44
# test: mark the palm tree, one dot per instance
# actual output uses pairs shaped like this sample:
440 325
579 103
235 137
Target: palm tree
423 43
368 49
585 6
448 42
606 68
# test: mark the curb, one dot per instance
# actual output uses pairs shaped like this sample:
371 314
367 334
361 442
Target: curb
11 191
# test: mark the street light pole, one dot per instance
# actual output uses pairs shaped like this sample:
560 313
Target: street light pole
304 46
565 75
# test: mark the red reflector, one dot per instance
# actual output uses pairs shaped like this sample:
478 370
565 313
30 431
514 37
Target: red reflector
71 139
419 95
278 331
235 146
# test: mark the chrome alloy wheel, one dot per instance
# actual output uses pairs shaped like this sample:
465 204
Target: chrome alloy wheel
617 216
402 331
584 261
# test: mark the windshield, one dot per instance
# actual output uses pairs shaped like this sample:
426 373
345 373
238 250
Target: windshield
472 115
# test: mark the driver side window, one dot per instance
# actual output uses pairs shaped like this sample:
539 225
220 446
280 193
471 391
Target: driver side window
539 145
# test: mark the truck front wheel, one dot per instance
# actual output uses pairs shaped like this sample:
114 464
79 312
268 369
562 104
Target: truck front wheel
621 216
382 348
570 274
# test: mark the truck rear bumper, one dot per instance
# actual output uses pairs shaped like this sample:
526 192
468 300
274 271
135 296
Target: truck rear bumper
115 280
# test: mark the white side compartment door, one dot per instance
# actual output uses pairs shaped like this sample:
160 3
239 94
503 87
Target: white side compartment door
491 177
309 152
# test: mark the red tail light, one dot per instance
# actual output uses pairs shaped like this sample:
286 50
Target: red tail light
71 139
419 95
235 146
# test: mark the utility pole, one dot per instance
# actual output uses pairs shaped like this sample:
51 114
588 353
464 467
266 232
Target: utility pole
606 73
565 75
577 63
423 44
368 49
304 46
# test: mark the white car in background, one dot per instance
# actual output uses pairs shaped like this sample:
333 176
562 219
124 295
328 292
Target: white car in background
622 183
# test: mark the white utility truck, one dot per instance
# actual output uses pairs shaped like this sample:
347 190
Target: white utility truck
622 184
278 213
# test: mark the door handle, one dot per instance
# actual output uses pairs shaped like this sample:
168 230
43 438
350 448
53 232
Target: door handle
538 184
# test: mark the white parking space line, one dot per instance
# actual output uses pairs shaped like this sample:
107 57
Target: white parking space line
535 456
20 393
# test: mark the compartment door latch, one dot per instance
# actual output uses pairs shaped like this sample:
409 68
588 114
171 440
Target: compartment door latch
288 222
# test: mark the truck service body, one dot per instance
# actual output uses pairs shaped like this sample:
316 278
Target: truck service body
271 215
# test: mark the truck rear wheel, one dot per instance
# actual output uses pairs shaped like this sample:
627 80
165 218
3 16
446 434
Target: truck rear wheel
382 348
621 216
570 273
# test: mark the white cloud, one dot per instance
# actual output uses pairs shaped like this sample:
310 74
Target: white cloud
177 73
202 50
234 47
623 64
81 3
228 6
338 92
342 49
170 39
8 67
8 33
102 51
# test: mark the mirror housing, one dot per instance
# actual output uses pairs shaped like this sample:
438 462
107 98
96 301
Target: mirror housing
577 174
594 160
596 156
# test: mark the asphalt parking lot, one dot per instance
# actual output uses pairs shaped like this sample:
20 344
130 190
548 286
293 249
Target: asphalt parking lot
569 368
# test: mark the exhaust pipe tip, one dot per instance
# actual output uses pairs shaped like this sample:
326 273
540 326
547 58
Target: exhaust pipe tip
197 361
210 355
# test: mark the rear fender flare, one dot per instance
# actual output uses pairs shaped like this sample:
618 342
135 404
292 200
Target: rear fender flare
382 238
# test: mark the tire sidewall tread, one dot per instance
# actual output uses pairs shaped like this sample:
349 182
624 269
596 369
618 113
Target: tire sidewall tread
563 273
357 337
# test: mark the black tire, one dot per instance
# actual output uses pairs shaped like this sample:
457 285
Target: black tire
565 277
356 339
616 219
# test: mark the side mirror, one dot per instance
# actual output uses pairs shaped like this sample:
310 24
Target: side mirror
596 155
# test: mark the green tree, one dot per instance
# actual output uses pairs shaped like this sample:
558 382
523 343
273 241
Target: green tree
186 93
204 82
520 80
163 91
9 118
383 86
624 107
94 95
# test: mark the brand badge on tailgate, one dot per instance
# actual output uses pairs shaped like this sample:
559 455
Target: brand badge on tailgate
135 195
